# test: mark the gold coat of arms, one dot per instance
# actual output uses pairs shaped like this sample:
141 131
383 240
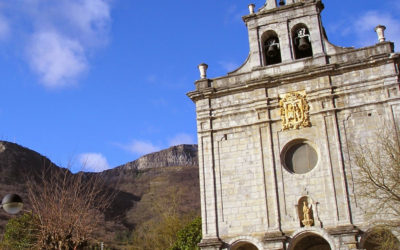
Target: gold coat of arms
294 110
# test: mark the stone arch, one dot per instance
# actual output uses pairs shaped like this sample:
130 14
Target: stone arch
301 41
271 48
245 243
311 239
373 238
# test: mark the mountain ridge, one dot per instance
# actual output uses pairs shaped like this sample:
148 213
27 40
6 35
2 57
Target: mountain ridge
175 156
142 183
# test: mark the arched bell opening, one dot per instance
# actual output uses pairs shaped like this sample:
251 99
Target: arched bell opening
379 238
310 241
272 48
301 42
243 246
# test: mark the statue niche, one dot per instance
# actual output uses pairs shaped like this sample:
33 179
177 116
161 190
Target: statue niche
305 211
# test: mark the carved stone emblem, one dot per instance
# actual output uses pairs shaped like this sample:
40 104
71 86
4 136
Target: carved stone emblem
294 110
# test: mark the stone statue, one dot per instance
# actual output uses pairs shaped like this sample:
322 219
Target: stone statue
307 220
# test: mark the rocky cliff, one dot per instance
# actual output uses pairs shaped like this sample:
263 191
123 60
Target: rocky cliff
175 156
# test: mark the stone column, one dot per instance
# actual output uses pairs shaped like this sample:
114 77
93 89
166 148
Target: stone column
209 216
346 236
275 241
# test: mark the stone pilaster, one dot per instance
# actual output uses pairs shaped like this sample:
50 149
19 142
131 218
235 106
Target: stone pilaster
275 240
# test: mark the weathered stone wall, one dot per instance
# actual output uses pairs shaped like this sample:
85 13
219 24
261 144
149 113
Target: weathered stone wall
247 191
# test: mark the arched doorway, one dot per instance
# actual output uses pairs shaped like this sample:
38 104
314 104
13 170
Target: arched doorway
244 246
311 242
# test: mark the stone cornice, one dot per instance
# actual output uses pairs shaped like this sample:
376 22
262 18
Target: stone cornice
271 81
346 229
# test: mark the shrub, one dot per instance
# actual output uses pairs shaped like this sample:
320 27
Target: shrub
189 236
21 232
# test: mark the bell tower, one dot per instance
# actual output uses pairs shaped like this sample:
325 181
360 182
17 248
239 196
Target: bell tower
286 32
274 135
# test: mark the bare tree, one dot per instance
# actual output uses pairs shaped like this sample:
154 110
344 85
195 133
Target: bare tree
68 207
378 176
377 182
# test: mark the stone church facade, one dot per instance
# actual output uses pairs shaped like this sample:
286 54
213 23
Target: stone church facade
274 135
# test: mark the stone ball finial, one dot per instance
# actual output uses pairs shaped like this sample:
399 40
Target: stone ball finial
251 8
380 31
203 70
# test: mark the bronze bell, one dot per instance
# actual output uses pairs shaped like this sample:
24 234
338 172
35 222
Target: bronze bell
281 2
303 44
272 50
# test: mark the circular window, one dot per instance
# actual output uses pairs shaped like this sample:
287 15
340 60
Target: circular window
300 158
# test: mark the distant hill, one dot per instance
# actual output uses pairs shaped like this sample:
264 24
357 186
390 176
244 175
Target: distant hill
141 184
16 164
153 179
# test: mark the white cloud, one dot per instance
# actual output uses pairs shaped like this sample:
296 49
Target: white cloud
141 147
90 17
228 66
56 59
93 162
62 34
365 25
181 138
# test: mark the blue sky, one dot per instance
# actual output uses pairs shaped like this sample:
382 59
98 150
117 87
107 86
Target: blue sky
93 84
